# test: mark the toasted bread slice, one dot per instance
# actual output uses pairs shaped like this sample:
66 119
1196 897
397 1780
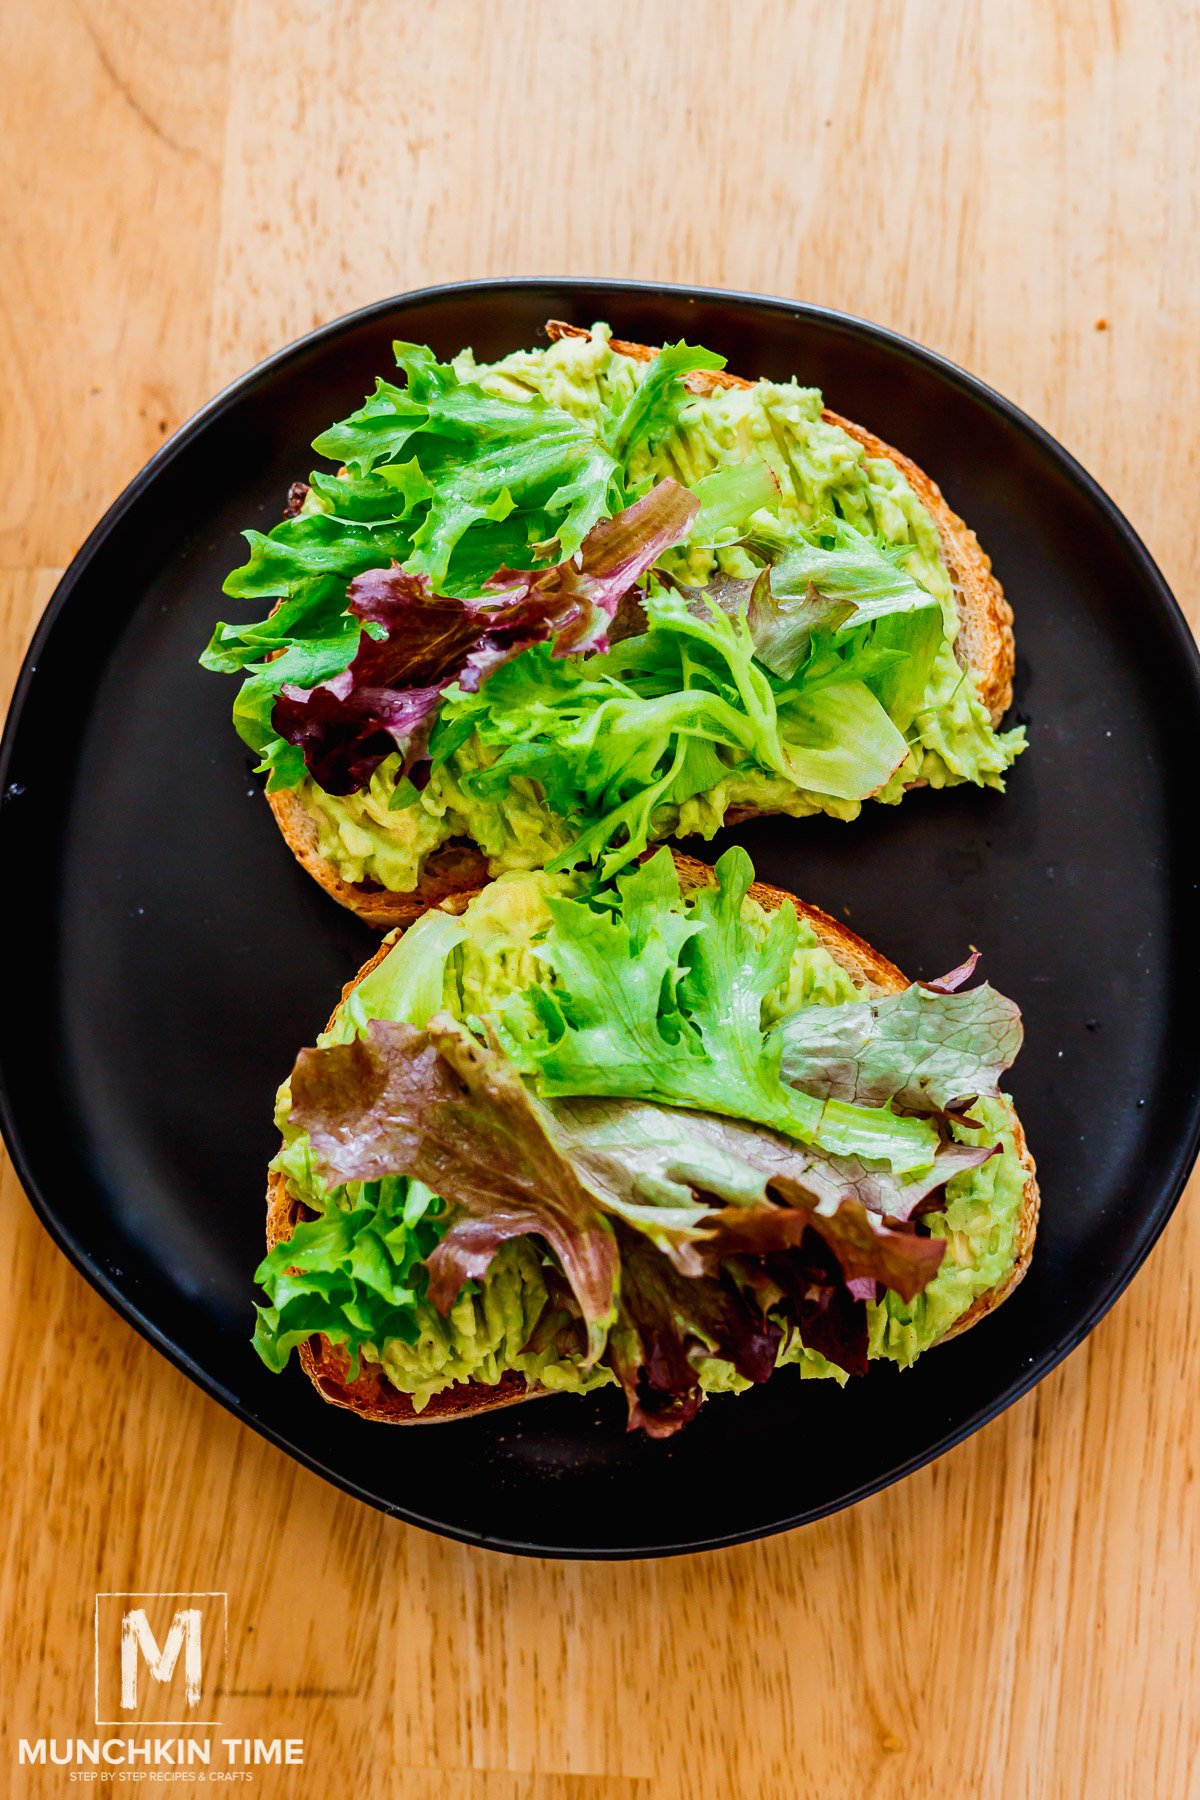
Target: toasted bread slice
373 1396
984 645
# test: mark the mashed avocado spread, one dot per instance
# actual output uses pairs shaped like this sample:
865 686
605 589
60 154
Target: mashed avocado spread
477 787
470 965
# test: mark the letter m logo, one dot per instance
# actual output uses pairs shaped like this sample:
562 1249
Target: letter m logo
159 1658
138 1644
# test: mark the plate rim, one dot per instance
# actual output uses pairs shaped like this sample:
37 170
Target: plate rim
911 350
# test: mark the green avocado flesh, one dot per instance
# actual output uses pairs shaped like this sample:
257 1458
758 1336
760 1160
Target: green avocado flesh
471 966
384 833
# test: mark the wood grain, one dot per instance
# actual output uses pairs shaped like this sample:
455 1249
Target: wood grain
184 189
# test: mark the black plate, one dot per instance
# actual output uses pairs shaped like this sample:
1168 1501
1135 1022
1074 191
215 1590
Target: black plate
167 957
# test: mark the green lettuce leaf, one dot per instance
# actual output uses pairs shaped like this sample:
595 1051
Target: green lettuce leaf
307 548
353 1275
730 495
485 457
664 1002
312 624
440 1106
662 1171
378 432
841 565
408 985
442 478
839 740
926 1051
655 404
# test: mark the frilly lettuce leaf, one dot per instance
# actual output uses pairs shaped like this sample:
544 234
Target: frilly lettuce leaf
378 432
678 708
655 404
841 567
700 1186
485 458
730 495
283 563
416 642
664 1004
437 1105
352 1275
667 1324
409 982
924 1050
840 741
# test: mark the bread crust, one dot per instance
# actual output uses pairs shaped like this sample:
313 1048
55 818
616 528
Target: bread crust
984 645
372 1396
455 868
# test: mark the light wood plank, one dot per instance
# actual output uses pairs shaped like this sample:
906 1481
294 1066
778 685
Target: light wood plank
110 156
24 594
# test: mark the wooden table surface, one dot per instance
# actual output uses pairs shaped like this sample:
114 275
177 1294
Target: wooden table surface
187 187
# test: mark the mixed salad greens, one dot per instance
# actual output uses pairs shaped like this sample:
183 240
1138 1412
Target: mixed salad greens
561 606
596 1129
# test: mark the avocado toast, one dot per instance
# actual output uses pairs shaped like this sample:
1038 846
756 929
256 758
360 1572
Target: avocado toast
554 608
684 1129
